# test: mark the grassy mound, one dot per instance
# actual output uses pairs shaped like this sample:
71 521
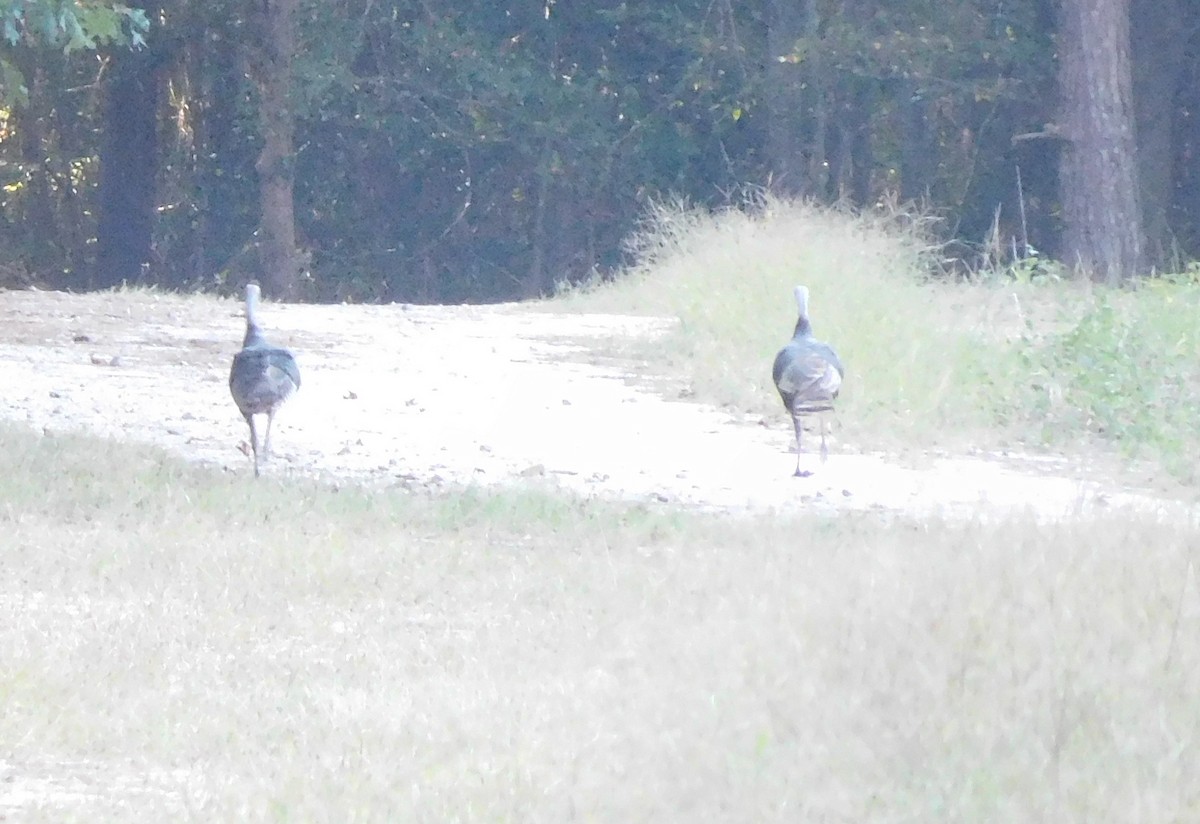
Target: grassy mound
1004 361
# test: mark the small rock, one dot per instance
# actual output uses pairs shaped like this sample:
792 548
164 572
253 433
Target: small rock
534 471
350 395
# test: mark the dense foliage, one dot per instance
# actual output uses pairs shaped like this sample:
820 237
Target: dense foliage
481 150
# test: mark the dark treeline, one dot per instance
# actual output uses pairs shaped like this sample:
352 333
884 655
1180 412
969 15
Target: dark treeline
483 150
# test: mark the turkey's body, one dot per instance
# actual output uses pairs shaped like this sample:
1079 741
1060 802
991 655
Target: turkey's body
808 374
261 379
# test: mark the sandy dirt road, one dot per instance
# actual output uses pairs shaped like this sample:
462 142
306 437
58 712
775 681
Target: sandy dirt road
433 396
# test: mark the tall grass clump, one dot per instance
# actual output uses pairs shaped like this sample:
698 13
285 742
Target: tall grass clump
916 365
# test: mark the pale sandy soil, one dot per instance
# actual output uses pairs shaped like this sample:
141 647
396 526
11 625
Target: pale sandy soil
432 396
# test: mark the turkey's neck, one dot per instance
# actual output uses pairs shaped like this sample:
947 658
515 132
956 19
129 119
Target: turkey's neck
254 336
253 333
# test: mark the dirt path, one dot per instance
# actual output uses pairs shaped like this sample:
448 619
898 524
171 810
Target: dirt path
441 395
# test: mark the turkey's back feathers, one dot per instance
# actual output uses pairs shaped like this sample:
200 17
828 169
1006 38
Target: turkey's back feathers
808 375
262 378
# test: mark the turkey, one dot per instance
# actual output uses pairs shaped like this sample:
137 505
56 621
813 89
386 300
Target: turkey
262 378
808 375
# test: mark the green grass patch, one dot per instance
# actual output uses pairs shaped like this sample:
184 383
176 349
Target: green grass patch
1128 372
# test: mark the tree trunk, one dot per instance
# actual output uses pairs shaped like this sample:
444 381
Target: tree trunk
280 260
863 146
128 170
221 210
1159 48
853 163
817 96
42 241
537 282
785 97
1101 206
917 152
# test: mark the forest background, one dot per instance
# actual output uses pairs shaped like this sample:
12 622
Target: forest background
435 151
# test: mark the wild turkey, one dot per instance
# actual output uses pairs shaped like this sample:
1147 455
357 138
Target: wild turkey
262 377
808 375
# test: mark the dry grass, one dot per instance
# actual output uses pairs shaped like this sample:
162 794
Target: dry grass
728 277
180 643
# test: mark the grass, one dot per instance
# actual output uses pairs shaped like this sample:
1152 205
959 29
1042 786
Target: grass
1007 360
180 643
